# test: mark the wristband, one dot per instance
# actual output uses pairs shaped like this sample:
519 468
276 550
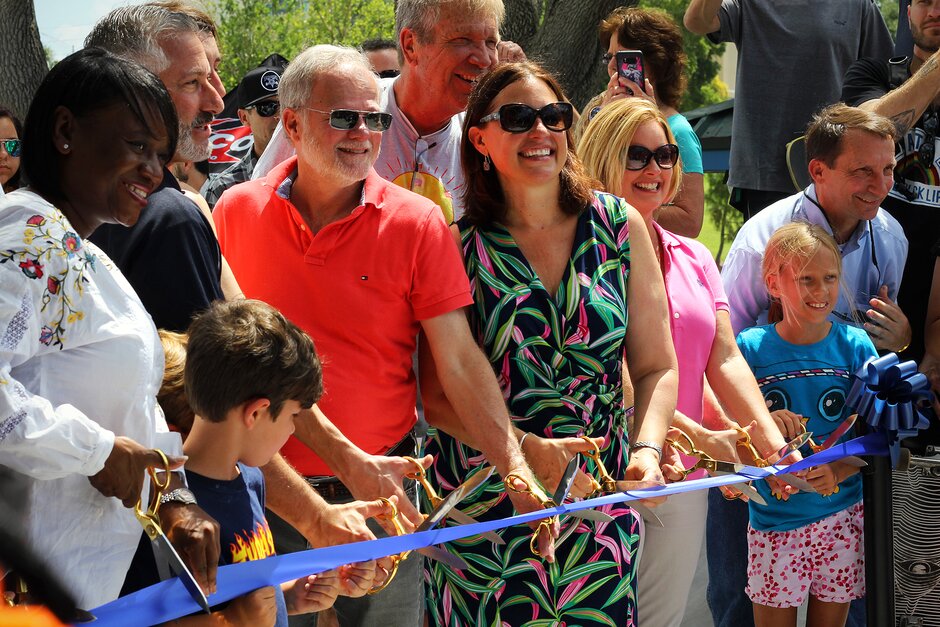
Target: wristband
522 439
650 445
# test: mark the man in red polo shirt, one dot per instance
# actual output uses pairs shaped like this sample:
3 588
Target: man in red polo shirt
362 265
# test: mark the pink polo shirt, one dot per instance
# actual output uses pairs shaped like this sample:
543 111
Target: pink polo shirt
695 294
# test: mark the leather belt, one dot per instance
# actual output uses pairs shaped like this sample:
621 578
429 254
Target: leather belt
332 489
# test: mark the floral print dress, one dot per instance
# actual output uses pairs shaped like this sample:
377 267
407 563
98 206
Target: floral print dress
559 364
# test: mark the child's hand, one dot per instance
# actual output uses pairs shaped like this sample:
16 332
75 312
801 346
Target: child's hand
779 489
355 580
312 593
826 478
255 608
790 424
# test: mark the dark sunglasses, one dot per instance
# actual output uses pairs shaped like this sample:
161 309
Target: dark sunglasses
519 118
266 109
638 157
12 146
389 73
346 119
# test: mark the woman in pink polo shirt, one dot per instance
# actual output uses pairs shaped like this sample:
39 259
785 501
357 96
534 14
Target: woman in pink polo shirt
630 148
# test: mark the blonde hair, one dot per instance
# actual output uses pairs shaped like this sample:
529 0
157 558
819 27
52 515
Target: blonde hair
603 146
172 394
793 245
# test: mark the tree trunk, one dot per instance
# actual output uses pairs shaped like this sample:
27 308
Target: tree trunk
22 59
565 42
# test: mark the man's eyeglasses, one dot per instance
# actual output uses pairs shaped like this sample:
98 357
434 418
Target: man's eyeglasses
519 118
666 156
347 119
12 146
266 108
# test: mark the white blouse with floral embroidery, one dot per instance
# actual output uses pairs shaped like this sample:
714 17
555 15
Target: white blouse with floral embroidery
80 362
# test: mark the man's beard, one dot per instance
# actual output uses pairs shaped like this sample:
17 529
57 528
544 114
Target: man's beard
187 148
923 42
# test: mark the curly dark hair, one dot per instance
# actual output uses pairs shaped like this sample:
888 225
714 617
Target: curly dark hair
656 34
484 201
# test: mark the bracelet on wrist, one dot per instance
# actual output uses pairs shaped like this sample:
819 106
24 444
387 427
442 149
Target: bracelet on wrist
522 439
650 445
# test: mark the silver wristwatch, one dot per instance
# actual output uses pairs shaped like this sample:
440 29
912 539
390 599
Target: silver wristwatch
179 495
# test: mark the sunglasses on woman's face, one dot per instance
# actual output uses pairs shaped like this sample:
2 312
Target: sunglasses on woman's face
666 156
347 119
12 146
519 118
266 109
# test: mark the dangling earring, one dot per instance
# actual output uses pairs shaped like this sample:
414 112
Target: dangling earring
486 163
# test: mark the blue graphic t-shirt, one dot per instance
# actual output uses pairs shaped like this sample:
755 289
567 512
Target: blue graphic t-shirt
811 380
238 506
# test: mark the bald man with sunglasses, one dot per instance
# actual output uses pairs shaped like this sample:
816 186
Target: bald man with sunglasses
363 266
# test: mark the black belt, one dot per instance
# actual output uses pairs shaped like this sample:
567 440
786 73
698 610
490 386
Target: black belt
332 489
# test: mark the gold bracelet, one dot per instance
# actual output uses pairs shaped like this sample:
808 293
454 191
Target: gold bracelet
903 348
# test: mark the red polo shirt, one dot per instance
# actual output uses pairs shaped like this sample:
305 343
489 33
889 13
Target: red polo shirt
359 287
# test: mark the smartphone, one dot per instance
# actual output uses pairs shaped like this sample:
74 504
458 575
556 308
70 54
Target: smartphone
630 66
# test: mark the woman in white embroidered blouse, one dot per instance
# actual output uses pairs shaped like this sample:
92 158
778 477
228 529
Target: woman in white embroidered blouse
80 360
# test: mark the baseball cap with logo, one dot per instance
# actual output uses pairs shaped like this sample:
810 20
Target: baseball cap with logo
257 85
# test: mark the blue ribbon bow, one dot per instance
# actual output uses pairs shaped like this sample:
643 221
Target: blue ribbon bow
892 398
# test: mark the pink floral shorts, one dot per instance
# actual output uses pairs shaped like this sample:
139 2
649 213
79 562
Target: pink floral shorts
825 559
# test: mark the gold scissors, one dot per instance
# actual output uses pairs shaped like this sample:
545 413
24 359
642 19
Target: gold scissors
715 466
149 519
438 514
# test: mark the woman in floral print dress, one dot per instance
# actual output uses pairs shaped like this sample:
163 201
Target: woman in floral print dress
552 267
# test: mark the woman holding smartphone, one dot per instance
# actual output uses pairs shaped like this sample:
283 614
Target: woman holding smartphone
658 39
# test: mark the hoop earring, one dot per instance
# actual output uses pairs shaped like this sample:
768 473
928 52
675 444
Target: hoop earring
486 163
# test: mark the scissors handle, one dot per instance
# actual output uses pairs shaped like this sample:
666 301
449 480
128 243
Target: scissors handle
150 515
744 440
421 477
606 482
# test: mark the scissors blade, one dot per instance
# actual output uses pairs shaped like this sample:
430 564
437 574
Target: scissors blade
647 514
466 519
591 514
567 480
451 500
841 430
177 566
787 449
745 486
436 553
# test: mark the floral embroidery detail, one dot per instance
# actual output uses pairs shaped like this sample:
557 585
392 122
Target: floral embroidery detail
49 239
31 268
46 335
71 242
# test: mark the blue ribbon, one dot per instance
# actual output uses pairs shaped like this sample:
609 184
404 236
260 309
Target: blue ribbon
892 398
169 600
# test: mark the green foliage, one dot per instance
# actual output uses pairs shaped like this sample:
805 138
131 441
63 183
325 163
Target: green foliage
250 30
889 10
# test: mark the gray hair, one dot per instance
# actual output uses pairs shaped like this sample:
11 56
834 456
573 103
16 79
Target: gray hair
420 16
136 32
300 76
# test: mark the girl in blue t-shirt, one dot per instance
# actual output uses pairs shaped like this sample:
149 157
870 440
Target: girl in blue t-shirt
810 544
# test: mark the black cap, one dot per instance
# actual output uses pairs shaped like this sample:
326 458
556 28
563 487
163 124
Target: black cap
257 85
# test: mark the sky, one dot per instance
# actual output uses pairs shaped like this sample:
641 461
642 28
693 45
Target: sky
63 24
